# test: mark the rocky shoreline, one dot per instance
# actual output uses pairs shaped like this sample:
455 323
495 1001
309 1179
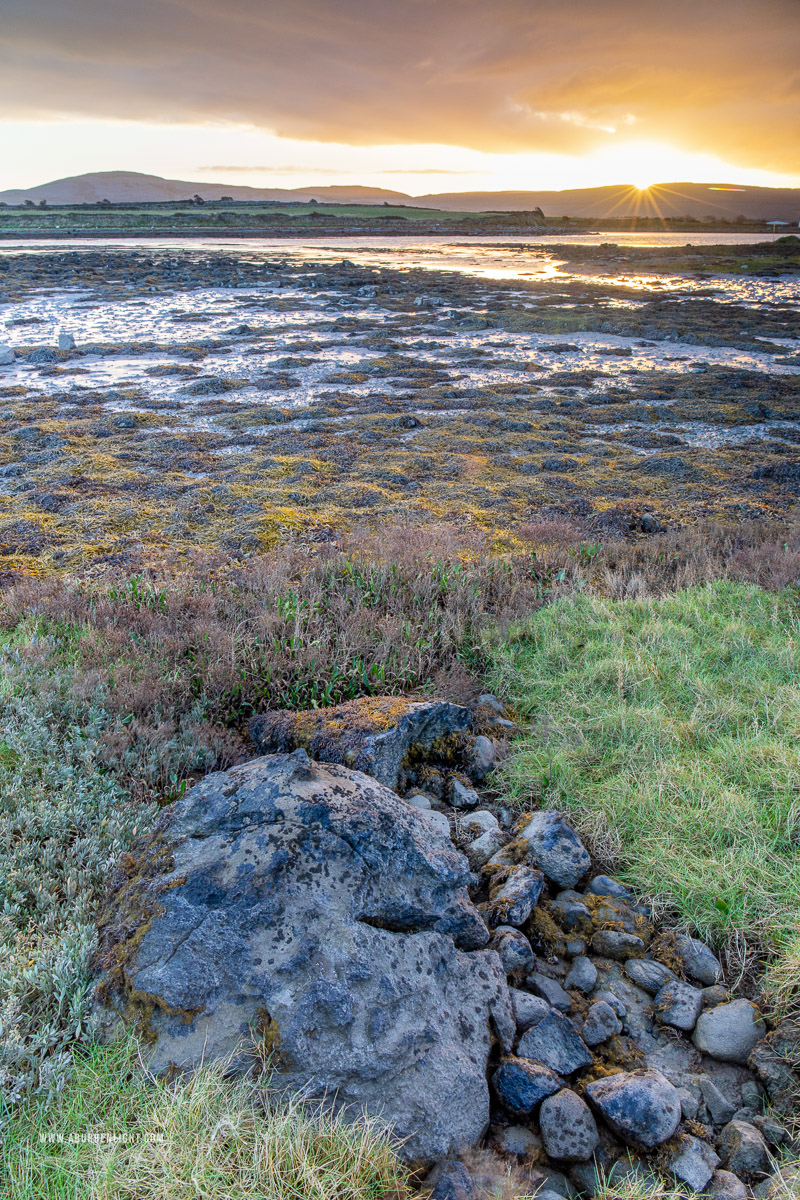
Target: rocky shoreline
400 941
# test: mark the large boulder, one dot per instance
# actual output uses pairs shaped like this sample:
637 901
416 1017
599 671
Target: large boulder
376 735
310 903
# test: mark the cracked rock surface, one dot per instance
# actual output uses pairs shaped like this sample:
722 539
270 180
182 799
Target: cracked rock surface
308 901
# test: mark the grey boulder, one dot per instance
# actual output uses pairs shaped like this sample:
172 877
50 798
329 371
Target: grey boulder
582 975
648 974
513 901
678 1004
311 903
642 1107
698 961
730 1031
693 1161
520 1085
601 1024
743 1150
551 844
528 1010
7 356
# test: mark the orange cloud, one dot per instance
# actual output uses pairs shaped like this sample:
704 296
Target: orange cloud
557 75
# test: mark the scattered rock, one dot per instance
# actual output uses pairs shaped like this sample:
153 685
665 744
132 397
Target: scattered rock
373 735
694 1162
476 823
743 1150
604 885
568 1129
678 1004
520 1085
310 899
601 1024
582 975
719 1107
512 902
550 990
725 1185
528 1009
419 801
516 1140
485 847
514 949
66 341
7 356
461 796
438 820
548 842
554 1042
642 1107
697 959
613 943
730 1031
482 758
648 974
450 1181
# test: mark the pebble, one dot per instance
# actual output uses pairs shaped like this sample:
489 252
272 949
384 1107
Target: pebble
450 1181
648 974
529 1010
743 1150
729 1031
719 1107
601 1024
554 1042
514 949
461 796
725 1185
437 819
582 975
642 1107
694 1162
698 961
521 1085
515 1139
484 847
550 990
514 901
478 822
576 947
482 758
678 1004
568 1129
612 943
421 802
604 885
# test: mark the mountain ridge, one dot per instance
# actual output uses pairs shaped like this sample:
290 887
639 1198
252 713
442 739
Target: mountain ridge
696 200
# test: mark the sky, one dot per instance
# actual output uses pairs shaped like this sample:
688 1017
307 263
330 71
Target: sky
414 95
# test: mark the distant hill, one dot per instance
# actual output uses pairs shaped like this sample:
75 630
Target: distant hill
697 200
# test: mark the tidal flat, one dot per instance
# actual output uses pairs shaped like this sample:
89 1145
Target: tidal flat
227 397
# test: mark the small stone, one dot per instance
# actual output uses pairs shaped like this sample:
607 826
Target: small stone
550 990
461 796
482 758
719 1107
648 974
651 524
730 1031
484 847
774 1133
612 943
678 1004
66 341
603 885
7 356
571 915
419 801
582 975
515 1139
576 948
601 1024
438 820
642 1107
514 949
450 1181
714 995
553 846
690 1105
521 1085
752 1096
694 1162
478 822
743 1150
725 1185
554 1042
568 1129
698 961
608 997
528 1010
514 901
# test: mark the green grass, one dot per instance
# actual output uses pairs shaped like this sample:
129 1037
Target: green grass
668 729
117 1133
